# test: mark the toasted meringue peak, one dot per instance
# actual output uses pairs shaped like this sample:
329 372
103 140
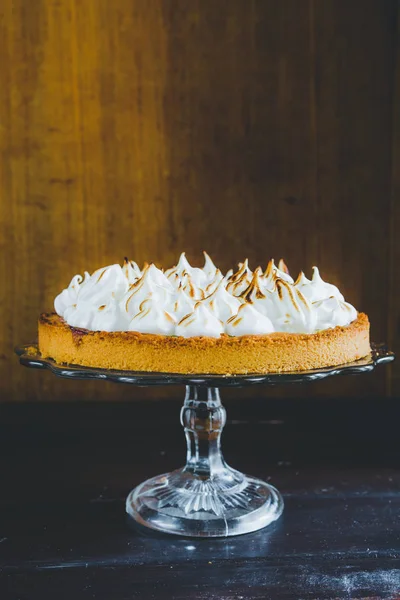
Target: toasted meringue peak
222 304
240 280
209 268
113 297
201 322
272 272
104 283
242 270
255 289
301 280
174 279
191 288
69 296
283 267
152 318
182 304
159 277
146 288
316 289
269 271
131 270
237 287
214 283
172 274
290 310
198 275
248 321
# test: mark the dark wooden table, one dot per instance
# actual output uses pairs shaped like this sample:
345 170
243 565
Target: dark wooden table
66 469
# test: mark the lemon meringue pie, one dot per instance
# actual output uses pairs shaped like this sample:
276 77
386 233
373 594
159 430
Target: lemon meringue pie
197 320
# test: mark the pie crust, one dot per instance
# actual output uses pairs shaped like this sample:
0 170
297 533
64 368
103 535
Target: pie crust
271 353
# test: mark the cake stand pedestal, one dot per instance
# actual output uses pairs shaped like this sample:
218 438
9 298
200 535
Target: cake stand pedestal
205 498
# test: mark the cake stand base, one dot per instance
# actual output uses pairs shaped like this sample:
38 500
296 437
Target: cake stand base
185 505
206 498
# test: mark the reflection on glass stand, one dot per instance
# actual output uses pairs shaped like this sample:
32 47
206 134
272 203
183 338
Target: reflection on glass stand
206 498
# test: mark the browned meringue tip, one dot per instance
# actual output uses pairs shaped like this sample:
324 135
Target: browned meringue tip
299 276
234 283
283 267
126 260
168 272
280 285
254 287
269 271
242 268
145 266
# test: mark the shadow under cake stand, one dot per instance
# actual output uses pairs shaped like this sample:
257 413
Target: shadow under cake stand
206 498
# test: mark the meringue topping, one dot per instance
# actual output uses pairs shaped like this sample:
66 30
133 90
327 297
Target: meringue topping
197 275
189 301
131 270
69 296
240 280
209 269
181 305
110 317
103 284
222 304
152 318
290 311
201 322
255 290
144 288
80 315
242 270
248 321
272 272
283 267
191 288
212 286
332 312
316 289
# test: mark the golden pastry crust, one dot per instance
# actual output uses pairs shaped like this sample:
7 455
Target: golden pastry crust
272 353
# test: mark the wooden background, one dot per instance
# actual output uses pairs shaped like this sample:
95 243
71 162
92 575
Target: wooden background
245 127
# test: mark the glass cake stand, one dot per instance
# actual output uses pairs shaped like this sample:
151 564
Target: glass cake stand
205 498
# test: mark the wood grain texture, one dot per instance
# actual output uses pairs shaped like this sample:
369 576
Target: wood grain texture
145 128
